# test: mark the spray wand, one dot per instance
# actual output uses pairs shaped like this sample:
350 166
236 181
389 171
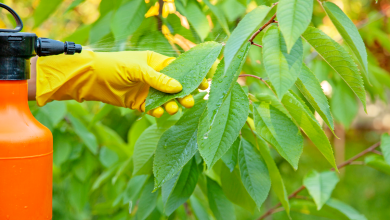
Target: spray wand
16 48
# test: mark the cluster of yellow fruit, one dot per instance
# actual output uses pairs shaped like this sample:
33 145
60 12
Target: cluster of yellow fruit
167 8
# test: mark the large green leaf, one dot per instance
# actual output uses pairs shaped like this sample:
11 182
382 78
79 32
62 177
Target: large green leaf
338 58
306 120
234 189
198 208
144 149
215 140
189 69
62 145
349 32
221 207
254 172
282 68
127 19
294 16
219 15
277 129
133 188
251 22
347 210
308 208
277 183
223 81
85 135
320 186
44 10
148 200
311 89
104 177
100 28
183 187
385 147
231 156
343 104
177 145
377 162
196 18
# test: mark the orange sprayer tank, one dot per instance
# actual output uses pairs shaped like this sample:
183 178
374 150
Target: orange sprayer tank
26 156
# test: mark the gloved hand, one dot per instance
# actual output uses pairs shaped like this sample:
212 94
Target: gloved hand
118 78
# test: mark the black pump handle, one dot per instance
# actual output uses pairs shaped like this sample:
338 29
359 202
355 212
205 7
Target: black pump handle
19 23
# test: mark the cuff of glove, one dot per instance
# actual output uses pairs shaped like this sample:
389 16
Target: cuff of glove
64 77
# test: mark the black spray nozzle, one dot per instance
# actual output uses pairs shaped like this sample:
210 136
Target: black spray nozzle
47 47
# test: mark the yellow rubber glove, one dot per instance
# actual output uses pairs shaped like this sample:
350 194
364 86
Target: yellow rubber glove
118 78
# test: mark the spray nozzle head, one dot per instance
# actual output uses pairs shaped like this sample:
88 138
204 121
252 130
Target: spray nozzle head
48 47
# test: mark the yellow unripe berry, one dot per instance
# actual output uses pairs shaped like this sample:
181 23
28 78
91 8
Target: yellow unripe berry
204 85
212 70
171 107
187 101
157 112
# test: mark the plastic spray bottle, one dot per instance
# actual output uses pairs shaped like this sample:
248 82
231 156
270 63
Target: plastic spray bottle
26 146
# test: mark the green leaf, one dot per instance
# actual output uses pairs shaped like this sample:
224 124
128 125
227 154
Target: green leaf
183 187
320 186
349 32
104 177
221 207
254 172
144 149
308 208
147 201
219 15
127 166
306 120
277 129
385 147
282 68
74 4
177 145
133 188
86 136
249 24
223 82
80 36
277 183
310 88
137 128
215 140
343 104
62 147
189 69
271 99
101 114
234 189
100 28
44 10
294 16
127 19
196 18
377 162
199 210
230 157
338 58
347 210
155 41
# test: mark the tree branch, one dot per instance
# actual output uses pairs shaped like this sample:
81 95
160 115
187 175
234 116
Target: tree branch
272 20
259 78
357 156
